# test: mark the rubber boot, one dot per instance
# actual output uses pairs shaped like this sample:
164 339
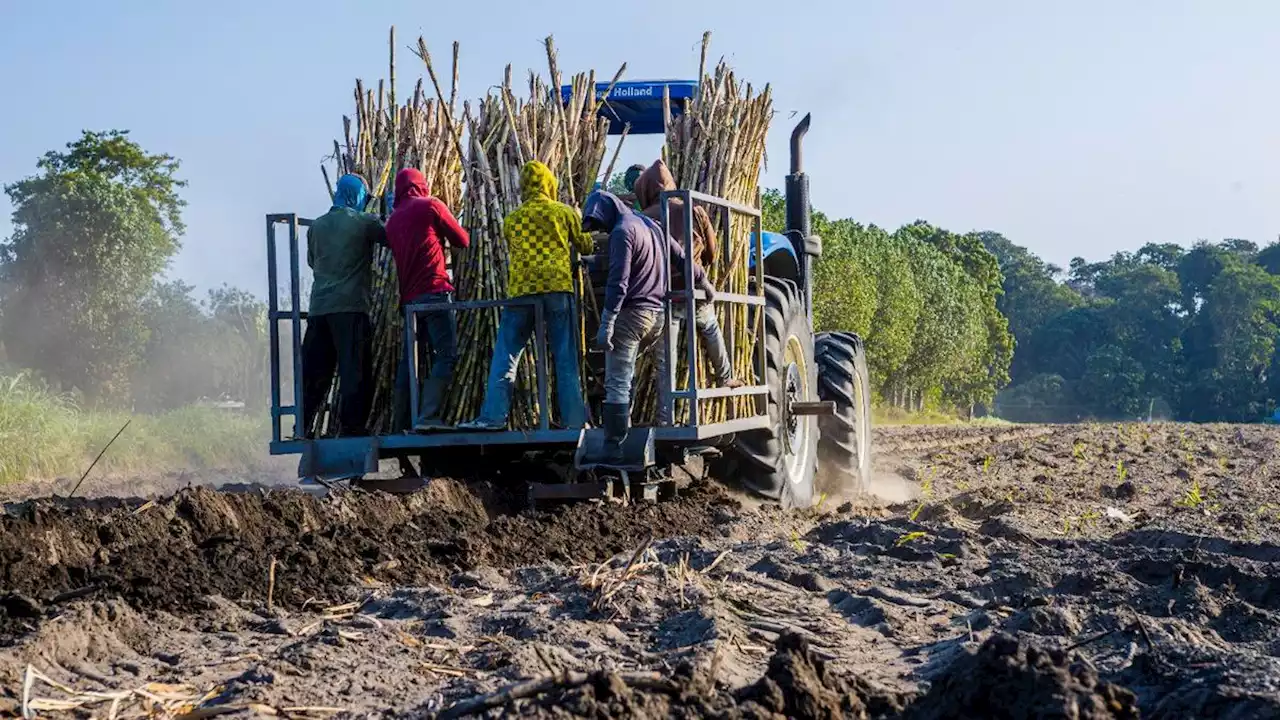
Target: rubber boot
617 417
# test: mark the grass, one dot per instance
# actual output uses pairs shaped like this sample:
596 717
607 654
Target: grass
45 435
889 415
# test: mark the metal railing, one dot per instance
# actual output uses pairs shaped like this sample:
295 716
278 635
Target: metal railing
668 393
692 393
294 315
411 313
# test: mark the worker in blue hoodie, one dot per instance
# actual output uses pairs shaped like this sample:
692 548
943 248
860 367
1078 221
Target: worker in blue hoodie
632 315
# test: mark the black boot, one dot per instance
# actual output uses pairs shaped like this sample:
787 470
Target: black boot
617 418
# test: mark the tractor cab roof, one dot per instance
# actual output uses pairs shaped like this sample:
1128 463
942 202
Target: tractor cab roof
638 103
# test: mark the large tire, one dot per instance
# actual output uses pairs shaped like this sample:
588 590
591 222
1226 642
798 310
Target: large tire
779 463
844 447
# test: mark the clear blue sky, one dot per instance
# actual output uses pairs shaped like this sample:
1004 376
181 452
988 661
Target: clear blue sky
1073 128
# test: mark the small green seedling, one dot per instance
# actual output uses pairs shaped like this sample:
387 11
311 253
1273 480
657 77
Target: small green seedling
1078 450
926 481
1088 519
1122 471
916 513
911 537
797 542
1193 497
987 462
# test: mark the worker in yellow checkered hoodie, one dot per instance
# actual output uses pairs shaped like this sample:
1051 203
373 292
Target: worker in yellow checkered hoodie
539 236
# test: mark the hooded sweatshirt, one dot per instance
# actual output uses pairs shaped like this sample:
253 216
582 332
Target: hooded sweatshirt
418 227
649 188
539 234
340 251
635 254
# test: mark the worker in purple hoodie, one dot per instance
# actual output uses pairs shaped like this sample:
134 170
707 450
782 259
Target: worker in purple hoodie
632 315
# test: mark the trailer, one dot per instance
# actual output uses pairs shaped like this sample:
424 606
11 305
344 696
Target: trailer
810 395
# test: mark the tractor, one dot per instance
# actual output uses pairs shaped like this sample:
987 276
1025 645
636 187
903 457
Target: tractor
811 391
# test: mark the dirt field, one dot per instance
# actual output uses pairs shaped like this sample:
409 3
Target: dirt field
1071 572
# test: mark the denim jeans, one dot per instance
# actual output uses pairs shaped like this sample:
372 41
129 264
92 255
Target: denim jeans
633 329
514 330
438 335
712 339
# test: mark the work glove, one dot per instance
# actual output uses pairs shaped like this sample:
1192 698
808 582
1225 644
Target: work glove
604 336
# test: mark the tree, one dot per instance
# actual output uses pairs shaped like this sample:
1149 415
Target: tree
92 230
1242 310
1031 296
242 319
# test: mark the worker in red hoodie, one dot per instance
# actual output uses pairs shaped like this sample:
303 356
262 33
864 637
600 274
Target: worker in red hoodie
417 231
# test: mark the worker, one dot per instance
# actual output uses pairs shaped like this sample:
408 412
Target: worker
340 254
540 235
631 176
417 231
629 184
649 186
632 316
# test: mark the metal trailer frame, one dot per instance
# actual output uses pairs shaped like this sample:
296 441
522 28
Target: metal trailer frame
348 456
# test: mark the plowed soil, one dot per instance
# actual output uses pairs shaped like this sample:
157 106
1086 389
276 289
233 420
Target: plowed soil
1015 571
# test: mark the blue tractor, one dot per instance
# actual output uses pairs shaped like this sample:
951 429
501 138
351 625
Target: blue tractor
811 392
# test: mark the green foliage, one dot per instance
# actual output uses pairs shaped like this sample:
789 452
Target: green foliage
1193 331
45 434
617 183
925 301
92 230
214 349
82 303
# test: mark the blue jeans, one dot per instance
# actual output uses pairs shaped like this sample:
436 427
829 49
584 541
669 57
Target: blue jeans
514 330
439 329
712 339
633 329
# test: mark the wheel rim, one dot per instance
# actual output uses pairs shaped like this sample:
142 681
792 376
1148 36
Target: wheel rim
795 429
861 432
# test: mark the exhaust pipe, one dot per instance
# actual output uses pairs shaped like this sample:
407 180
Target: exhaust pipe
798 186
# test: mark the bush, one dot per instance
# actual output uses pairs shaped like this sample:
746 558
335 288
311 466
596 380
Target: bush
45 434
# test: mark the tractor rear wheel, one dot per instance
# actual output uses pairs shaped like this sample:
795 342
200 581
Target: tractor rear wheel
779 463
844 448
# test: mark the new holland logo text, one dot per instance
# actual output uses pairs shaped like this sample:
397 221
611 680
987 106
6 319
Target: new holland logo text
629 92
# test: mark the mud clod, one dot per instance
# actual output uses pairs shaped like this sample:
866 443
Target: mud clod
1008 678
796 685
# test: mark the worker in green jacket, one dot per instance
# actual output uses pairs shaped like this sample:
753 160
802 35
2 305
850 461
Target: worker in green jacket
340 253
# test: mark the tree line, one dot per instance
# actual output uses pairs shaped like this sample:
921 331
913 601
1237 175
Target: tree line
83 300
1166 331
924 299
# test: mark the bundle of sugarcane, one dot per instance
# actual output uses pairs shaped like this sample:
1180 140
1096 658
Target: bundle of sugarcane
382 139
505 131
717 147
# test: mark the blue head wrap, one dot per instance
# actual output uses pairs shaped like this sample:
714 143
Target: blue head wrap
350 193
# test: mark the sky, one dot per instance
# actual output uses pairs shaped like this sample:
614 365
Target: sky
1075 129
